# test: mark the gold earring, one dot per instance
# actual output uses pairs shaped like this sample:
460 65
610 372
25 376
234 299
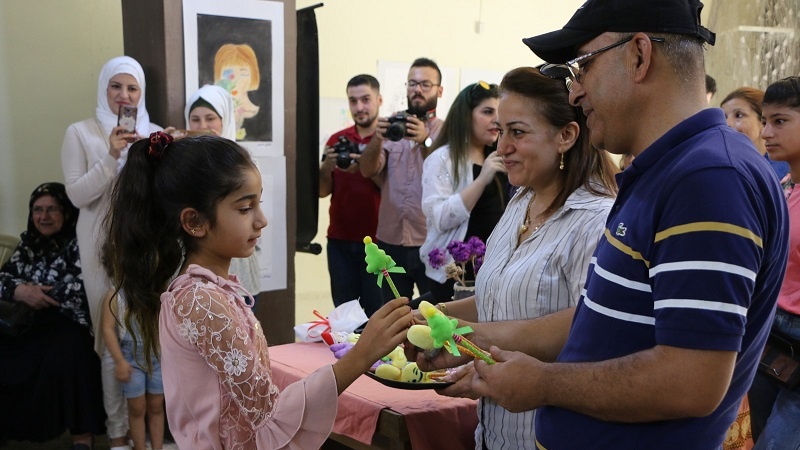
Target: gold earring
561 165
193 230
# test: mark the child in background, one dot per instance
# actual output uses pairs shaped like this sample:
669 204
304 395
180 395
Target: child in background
141 379
193 204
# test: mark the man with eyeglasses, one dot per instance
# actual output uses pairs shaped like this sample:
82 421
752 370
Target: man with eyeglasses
398 166
681 291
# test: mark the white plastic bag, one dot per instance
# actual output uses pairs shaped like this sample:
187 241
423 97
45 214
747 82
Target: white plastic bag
345 317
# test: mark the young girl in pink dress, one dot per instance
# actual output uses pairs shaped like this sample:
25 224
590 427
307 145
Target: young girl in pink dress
193 204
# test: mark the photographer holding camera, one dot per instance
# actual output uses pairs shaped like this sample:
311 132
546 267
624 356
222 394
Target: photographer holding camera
395 155
354 199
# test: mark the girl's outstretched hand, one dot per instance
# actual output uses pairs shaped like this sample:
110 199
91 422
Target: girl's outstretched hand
385 330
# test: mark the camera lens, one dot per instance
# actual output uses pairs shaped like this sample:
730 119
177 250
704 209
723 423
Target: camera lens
343 160
396 131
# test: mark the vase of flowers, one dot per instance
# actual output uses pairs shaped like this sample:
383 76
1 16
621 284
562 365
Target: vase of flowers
462 255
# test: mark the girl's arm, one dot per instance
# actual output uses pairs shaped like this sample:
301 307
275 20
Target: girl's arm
228 338
108 325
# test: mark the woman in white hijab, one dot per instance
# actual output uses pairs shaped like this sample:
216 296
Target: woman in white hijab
210 109
92 153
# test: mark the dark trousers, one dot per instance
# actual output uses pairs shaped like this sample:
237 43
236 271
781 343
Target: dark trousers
441 292
349 277
408 259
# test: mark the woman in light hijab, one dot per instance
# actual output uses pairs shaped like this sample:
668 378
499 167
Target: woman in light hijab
92 153
210 109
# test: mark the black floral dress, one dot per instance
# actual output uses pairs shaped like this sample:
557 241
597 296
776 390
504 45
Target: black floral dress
56 267
50 373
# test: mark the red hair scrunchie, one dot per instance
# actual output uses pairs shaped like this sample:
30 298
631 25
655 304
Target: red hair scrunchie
158 143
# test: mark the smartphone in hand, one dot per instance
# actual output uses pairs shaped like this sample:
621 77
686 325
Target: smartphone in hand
127 118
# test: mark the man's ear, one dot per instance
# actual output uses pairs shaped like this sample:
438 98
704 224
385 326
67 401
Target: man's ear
567 136
440 90
643 55
193 223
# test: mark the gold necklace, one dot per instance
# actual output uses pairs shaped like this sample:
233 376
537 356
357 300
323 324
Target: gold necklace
526 223
527 220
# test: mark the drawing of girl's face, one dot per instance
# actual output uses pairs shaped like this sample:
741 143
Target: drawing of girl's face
238 77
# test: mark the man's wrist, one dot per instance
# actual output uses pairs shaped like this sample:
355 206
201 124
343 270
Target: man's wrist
427 142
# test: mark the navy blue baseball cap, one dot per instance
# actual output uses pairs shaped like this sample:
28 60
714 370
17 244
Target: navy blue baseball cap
596 17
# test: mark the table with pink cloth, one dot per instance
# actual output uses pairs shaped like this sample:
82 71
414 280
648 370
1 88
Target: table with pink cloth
433 421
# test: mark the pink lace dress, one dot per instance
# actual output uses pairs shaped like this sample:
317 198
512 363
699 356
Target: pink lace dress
217 377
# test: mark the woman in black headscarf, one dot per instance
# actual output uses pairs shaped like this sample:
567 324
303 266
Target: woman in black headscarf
49 374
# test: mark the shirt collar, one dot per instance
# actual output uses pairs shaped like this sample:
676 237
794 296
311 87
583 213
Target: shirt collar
692 126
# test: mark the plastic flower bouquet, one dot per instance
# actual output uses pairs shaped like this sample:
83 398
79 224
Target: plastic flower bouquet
461 253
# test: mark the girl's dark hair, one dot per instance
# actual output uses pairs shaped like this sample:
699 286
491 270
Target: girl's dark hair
754 97
785 92
146 243
584 165
457 127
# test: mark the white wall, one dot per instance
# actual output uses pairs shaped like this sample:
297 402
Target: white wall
443 30
51 52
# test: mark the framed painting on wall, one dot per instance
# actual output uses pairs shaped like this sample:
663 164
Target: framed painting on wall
239 46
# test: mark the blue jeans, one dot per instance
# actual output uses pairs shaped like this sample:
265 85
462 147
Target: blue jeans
408 259
140 381
775 410
349 277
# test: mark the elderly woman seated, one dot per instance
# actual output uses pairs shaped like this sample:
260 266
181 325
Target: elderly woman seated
49 374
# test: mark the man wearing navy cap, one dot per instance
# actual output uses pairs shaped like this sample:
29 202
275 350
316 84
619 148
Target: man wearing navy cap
681 292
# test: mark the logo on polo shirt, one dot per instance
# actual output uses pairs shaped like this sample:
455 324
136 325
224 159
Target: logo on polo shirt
621 229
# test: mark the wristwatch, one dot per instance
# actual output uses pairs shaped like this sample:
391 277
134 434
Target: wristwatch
428 142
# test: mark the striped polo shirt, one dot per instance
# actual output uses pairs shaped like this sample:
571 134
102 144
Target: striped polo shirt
692 256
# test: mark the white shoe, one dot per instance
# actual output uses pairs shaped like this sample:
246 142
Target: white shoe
122 447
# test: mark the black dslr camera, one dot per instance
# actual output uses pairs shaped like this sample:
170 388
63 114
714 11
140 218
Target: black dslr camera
397 126
343 147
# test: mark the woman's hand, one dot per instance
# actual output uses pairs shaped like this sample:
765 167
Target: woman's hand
34 295
492 165
123 371
118 140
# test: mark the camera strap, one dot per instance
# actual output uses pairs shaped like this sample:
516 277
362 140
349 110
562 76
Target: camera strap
428 115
